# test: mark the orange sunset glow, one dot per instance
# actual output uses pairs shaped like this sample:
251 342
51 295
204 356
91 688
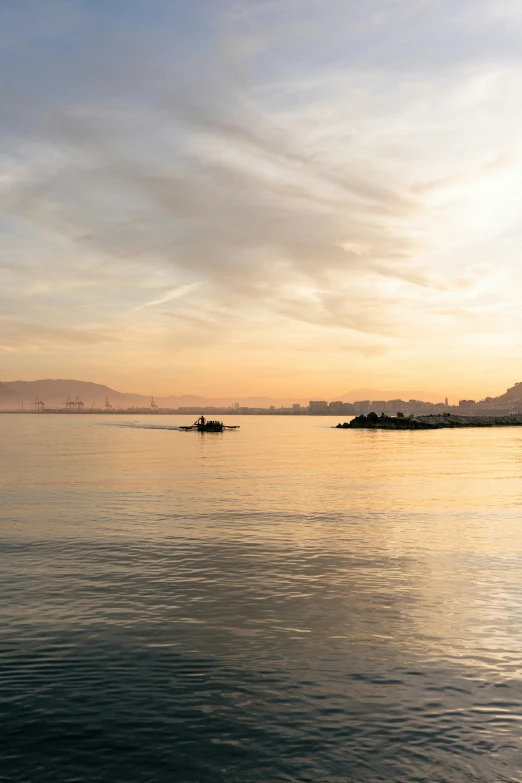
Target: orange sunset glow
286 199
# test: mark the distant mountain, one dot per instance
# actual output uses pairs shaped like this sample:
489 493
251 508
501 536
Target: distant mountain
249 402
512 395
378 394
9 399
55 392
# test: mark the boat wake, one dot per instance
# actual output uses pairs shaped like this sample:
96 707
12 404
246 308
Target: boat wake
136 425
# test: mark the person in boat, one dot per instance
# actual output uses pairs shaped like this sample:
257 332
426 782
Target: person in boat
201 421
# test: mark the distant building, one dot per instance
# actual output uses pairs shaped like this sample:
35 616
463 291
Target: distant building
348 408
236 406
336 408
378 406
318 407
362 406
394 406
446 402
296 406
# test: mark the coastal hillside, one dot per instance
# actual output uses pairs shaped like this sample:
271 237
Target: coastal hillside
389 394
512 395
9 399
54 393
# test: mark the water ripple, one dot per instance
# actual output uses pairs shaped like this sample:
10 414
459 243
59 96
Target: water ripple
229 610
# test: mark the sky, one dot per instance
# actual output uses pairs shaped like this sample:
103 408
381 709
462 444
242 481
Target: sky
234 197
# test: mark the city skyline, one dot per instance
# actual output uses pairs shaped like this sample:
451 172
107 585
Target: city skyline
313 390
50 395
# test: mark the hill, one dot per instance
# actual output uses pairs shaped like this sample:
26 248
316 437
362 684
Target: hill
378 394
513 394
9 399
55 392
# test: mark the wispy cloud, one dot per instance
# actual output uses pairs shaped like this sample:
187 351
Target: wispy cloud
366 153
36 336
168 296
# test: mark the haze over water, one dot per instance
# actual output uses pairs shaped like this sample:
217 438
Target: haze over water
287 602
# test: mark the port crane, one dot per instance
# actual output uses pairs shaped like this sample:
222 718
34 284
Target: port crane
38 405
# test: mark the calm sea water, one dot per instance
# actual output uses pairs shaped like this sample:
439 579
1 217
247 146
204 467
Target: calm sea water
288 602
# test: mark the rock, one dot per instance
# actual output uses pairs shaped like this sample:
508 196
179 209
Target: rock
428 422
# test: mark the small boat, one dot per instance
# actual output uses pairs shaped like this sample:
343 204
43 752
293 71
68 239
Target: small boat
205 425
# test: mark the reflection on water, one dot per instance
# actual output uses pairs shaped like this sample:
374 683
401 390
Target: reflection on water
287 602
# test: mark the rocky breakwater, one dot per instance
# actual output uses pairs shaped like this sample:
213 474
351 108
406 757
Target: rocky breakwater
429 422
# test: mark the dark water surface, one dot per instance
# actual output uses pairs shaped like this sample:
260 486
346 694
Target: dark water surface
283 603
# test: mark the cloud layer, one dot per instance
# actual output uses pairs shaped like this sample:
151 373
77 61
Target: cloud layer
315 190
